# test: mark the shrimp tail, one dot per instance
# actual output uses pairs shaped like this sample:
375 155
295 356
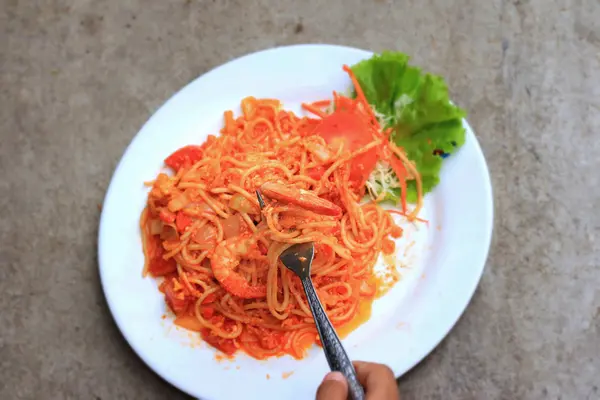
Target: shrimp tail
238 286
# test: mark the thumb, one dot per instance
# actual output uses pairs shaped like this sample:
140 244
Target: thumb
333 387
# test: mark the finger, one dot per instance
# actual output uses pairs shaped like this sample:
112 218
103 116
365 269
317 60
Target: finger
333 387
378 380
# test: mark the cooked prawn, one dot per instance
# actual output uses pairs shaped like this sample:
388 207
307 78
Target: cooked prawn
300 197
225 258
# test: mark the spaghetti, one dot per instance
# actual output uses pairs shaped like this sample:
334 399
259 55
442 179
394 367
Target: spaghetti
203 230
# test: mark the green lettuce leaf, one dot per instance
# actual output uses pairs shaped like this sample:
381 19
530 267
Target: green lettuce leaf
416 105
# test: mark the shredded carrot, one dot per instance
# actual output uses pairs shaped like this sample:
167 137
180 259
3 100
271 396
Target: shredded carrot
336 98
404 214
360 95
401 174
321 103
311 108
345 103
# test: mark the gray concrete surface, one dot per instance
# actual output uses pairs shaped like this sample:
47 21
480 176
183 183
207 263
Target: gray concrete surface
79 78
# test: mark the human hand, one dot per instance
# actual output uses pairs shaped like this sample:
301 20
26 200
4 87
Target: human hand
378 380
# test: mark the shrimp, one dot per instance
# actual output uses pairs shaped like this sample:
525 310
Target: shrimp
226 257
300 197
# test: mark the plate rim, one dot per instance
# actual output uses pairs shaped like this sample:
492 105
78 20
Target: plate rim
469 292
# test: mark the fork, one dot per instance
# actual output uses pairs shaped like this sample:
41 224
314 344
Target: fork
298 259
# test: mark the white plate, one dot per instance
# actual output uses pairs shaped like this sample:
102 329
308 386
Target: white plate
442 268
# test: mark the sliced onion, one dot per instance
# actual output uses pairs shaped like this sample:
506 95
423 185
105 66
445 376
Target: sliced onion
156 226
168 232
206 235
178 202
320 152
322 155
232 226
197 208
241 204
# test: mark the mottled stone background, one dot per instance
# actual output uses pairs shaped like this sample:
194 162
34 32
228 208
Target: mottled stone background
79 78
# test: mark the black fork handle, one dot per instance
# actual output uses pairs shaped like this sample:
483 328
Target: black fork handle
337 358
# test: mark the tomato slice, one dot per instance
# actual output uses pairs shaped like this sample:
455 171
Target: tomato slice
316 173
207 312
323 250
211 298
225 345
352 131
158 266
184 157
182 221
